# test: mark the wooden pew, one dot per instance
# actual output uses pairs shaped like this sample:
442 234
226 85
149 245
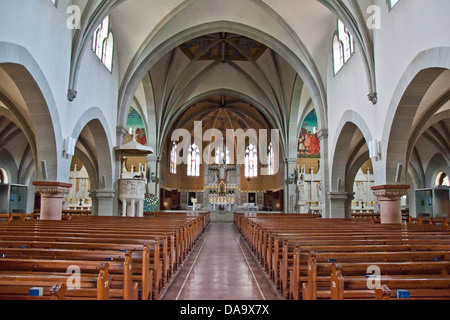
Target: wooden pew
420 286
83 238
17 284
288 266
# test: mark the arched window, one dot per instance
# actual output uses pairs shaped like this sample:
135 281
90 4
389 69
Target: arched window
193 161
271 160
108 45
343 46
221 155
173 159
442 179
3 176
251 162
103 43
392 3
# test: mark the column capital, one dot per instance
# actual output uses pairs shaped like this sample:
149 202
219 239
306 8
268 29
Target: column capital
290 160
52 196
390 192
322 134
153 157
121 131
51 189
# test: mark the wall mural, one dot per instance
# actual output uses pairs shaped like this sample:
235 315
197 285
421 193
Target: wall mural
308 142
136 129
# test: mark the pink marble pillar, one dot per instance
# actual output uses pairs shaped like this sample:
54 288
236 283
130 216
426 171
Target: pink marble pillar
389 200
52 196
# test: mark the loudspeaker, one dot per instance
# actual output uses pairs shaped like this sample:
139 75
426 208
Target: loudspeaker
398 174
44 169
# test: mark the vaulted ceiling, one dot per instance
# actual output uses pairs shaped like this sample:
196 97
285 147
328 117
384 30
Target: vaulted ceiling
272 54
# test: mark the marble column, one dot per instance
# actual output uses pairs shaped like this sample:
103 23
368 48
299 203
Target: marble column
52 197
389 200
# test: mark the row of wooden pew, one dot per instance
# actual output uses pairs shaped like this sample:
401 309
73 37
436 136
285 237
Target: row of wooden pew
310 258
89 257
430 220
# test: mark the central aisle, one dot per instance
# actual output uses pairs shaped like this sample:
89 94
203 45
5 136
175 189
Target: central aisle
221 267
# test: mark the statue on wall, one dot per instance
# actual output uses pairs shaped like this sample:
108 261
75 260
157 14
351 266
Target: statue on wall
301 184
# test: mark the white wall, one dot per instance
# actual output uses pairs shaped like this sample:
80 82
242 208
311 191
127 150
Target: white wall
411 27
42 30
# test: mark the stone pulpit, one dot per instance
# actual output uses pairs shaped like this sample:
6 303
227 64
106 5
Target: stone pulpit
133 185
132 194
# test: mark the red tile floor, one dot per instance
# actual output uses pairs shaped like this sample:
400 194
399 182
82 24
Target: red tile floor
221 267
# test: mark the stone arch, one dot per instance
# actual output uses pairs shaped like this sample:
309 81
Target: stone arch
21 67
436 165
416 80
350 117
341 170
134 77
166 129
95 121
8 164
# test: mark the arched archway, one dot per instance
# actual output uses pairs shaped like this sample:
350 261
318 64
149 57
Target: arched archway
38 116
414 84
94 149
350 153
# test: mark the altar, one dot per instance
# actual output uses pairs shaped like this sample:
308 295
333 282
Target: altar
225 202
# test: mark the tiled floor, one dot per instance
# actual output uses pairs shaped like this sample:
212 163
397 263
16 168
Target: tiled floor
221 267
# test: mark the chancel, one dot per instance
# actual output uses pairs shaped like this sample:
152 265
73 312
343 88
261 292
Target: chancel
214 150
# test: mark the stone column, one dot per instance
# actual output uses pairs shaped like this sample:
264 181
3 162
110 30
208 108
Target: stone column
390 205
290 194
348 205
52 197
154 164
338 201
324 165
102 202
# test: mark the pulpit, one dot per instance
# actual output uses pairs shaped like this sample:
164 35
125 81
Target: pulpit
133 186
132 194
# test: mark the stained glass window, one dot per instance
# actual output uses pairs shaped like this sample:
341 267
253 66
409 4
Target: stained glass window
193 161
173 159
103 43
251 161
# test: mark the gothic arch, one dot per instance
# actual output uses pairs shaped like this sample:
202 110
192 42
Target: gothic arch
102 160
129 86
421 73
19 64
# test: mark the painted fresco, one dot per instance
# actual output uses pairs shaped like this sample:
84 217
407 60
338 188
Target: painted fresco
135 127
308 142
